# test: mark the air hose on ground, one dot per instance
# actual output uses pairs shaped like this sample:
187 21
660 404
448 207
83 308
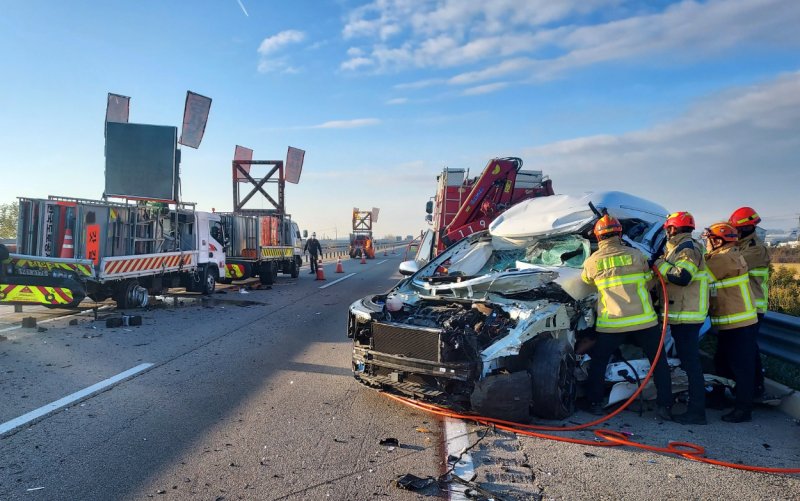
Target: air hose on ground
604 437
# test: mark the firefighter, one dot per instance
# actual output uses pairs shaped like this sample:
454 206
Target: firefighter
733 314
683 267
755 253
314 250
624 312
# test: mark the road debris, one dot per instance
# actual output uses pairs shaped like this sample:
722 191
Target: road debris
391 441
411 482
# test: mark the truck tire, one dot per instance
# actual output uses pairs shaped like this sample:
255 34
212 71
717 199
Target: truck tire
209 280
552 370
266 272
129 294
295 268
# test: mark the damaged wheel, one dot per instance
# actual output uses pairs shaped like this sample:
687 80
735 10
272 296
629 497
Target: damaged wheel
552 370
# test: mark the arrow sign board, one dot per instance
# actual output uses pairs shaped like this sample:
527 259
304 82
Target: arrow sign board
195 116
294 164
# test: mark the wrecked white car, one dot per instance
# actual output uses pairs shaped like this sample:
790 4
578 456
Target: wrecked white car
491 324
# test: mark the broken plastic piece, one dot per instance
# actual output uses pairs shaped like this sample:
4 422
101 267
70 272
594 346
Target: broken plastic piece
411 482
391 441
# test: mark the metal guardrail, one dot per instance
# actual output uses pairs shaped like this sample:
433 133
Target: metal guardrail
779 337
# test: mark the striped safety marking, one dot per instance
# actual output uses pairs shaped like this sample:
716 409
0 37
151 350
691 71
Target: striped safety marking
80 269
34 294
146 263
277 251
234 270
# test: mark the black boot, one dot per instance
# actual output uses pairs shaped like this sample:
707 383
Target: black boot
737 416
690 418
663 413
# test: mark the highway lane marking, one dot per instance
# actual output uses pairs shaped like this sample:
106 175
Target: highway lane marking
457 440
381 262
337 281
70 399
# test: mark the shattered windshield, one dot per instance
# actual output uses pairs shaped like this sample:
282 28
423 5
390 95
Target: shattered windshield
482 267
567 250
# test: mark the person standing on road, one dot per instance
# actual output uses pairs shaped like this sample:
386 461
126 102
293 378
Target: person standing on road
624 312
314 250
683 267
755 253
733 314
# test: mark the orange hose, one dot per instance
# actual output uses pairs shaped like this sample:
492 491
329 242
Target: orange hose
607 438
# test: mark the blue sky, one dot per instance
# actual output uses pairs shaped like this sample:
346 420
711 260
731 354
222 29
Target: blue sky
695 105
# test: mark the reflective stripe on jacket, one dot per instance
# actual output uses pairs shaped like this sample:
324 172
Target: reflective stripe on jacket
688 304
756 255
731 305
621 275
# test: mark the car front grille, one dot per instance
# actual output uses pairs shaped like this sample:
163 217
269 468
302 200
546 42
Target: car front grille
412 342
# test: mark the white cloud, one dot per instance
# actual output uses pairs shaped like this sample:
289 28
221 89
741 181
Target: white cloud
737 148
347 124
282 39
484 89
270 62
397 100
356 62
539 39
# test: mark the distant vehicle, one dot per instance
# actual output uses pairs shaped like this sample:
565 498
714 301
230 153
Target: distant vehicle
361 240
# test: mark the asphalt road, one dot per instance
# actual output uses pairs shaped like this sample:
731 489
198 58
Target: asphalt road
250 397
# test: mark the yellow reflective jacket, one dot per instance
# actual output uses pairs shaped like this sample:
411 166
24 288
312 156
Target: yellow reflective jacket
730 305
688 304
756 255
621 275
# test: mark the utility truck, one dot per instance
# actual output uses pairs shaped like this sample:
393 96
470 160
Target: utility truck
361 240
465 205
71 248
262 242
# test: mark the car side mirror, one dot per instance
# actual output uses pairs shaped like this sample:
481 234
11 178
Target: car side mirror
408 268
429 207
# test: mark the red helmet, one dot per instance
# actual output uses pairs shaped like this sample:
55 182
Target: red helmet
680 220
606 225
722 230
744 216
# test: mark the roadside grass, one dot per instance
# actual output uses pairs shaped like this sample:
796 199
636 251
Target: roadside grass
793 267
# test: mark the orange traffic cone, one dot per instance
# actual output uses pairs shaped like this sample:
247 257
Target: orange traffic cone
67 248
320 272
363 258
339 268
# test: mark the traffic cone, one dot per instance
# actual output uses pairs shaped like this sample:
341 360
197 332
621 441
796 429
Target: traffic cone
363 258
339 268
320 272
67 248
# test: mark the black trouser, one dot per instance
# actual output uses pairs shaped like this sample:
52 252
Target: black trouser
759 381
312 260
687 341
734 360
607 344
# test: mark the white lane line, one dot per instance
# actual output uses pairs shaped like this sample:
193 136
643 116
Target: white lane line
69 399
337 281
15 327
381 262
457 439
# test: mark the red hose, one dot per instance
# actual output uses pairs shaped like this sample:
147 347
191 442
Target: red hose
608 438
